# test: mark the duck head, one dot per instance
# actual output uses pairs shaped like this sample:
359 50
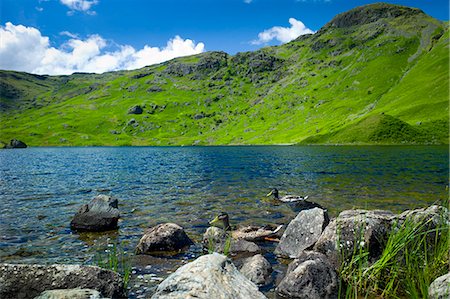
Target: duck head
274 192
221 220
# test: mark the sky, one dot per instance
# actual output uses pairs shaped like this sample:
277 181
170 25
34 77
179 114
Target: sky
64 36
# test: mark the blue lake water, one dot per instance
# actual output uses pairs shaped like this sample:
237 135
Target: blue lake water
42 188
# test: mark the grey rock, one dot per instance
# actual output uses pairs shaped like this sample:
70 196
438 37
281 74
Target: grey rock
135 110
302 232
70 294
163 238
353 229
215 239
440 287
258 269
14 143
28 281
310 276
100 214
209 276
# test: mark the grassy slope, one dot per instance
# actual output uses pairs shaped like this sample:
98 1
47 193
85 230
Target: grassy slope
358 83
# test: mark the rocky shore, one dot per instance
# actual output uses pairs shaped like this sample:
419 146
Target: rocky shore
231 267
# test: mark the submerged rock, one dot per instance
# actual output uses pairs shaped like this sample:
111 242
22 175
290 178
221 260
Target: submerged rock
310 276
209 276
28 281
100 214
163 238
302 232
353 229
215 239
70 294
440 287
258 269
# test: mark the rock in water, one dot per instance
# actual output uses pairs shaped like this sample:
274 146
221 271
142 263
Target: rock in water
209 276
257 268
215 239
14 143
310 276
28 281
440 288
353 229
70 294
162 238
100 214
302 232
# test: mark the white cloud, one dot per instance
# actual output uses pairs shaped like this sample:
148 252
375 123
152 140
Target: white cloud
283 34
25 49
248 1
79 5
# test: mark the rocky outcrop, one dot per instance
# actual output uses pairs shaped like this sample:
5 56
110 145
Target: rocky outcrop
258 269
165 237
209 276
215 239
440 288
352 229
302 232
14 143
29 281
310 276
135 110
70 294
100 214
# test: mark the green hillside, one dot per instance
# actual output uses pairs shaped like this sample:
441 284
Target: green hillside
378 74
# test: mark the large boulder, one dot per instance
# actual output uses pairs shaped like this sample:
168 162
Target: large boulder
100 214
310 276
14 143
163 238
28 281
216 239
135 110
440 288
209 276
302 232
257 268
353 229
70 294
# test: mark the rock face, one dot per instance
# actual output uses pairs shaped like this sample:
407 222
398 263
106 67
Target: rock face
70 294
215 239
28 281
14 143
100 214
355 228
440 288
135 110
209 276
257 269
162 238
302 232
310 276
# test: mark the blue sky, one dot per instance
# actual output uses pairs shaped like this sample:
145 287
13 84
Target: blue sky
101 35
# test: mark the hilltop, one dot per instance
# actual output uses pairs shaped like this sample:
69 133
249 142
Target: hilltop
377 74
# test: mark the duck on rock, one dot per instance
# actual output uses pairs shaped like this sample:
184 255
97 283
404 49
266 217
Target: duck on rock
248 233
287 198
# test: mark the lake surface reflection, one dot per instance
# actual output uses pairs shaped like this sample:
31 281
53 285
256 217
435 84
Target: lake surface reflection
41 189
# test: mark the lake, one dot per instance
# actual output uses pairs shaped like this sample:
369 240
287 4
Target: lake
42 188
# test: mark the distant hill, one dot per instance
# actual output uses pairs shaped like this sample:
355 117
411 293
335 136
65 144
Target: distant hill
377 74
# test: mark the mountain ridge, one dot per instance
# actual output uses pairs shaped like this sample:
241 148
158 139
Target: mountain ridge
379 63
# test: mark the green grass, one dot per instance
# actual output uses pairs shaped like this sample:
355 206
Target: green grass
322 88
415 254
114 258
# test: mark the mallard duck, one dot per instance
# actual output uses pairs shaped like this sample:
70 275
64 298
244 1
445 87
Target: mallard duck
248 233
287 198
